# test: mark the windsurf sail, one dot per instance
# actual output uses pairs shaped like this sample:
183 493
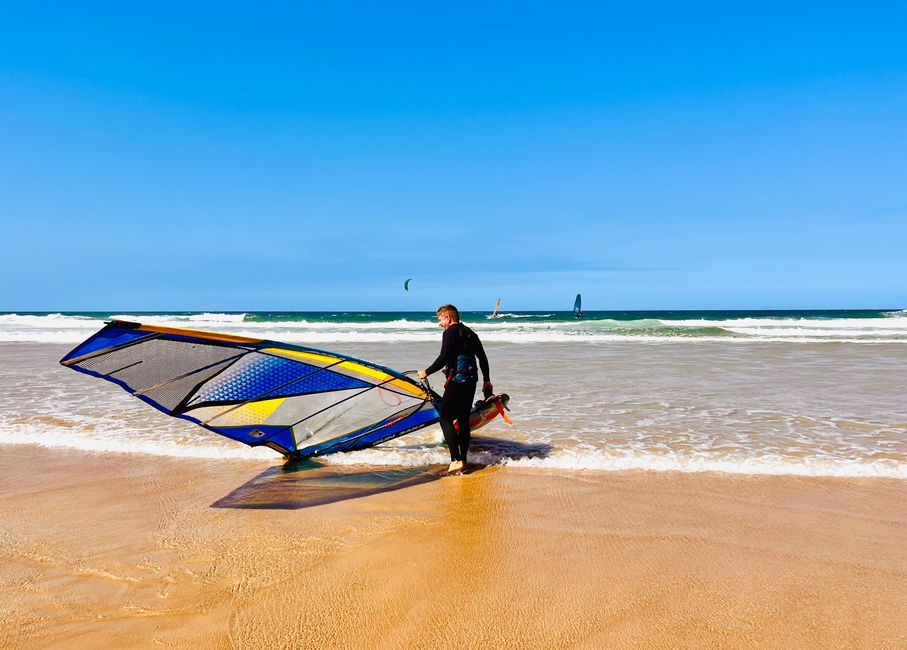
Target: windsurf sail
297 400
497 305
578 306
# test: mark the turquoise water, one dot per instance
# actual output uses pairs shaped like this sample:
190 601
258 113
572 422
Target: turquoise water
532 326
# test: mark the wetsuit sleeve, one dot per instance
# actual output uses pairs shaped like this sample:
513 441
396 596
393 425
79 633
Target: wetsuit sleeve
447 341
483 359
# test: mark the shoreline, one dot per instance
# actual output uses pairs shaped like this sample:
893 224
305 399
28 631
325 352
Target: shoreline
691 407
102 549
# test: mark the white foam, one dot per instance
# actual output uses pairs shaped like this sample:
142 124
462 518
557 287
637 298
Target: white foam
800 326
180 320
675 462
25 321
428 449
58 328
314 338
789 333
65 438
596 460
512 315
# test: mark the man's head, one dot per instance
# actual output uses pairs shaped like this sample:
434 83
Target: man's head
447 316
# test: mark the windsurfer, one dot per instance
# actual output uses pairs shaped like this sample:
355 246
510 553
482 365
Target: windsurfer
460 348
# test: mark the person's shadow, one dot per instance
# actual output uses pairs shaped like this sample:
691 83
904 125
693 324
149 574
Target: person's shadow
306 483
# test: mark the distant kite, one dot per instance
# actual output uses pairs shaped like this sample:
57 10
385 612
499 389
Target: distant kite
406 284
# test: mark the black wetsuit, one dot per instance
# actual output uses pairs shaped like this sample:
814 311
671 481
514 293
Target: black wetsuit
460 389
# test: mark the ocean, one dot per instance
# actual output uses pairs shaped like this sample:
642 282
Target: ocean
818 393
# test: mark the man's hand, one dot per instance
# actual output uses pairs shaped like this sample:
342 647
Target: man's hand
487 389
422 374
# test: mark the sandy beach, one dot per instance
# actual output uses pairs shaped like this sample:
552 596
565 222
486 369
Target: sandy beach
140 551
652 254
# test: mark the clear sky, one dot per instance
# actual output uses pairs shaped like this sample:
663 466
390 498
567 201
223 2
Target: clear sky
306 156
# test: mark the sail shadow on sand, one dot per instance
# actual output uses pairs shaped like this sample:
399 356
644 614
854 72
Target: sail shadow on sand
307 483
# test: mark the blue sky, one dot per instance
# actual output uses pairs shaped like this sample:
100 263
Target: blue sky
225 156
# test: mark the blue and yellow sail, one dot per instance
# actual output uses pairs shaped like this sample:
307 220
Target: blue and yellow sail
297 400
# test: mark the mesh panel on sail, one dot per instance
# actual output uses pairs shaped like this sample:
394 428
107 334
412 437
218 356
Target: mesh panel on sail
172 393
150 363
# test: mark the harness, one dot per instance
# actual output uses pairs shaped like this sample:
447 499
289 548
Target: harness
465 368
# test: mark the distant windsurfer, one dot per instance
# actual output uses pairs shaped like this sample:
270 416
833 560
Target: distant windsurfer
461 348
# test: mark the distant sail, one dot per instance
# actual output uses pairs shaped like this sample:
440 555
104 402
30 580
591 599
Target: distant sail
497 306
578 306
406 284
297 400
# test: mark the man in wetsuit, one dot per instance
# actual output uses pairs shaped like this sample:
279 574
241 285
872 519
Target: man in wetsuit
460 347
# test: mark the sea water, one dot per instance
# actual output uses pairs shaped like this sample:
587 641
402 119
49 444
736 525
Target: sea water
810 392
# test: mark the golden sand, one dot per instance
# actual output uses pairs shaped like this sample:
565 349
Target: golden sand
137 551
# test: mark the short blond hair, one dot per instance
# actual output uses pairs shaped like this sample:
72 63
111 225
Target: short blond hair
450 311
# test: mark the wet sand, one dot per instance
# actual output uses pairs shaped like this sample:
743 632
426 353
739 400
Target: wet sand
139 551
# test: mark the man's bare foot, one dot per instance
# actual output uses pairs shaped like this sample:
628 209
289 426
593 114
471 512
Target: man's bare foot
453 466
